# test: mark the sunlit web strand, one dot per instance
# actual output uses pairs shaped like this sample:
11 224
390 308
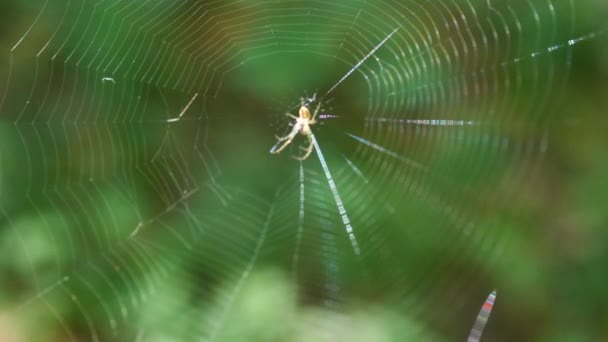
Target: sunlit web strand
177 118
167 210
426 122
296 253
31 26
482 318
390 153
244 276
517 60
44 292
337 198
328 116
362 61
356 170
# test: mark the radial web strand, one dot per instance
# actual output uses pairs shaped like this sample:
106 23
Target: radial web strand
337 199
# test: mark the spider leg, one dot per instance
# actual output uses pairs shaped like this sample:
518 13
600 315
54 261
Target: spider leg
292 116
287 139
278 150
314 115
308 149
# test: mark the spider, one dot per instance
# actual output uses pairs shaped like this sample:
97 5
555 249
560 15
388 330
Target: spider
302 126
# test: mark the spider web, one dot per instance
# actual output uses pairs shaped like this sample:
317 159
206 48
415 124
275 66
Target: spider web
137 187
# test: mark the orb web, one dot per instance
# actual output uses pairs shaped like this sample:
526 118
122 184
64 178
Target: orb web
138 188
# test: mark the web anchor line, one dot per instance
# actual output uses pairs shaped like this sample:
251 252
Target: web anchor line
339 203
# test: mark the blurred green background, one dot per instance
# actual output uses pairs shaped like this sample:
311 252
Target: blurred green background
118 225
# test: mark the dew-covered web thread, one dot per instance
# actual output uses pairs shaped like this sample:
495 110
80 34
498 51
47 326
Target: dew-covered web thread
137 186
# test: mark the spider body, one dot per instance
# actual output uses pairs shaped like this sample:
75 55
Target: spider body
302 126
